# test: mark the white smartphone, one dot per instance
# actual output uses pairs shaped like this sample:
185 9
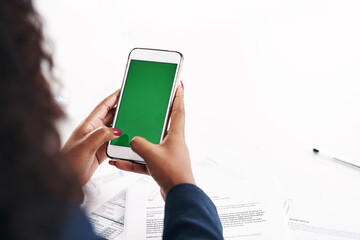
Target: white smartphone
145 101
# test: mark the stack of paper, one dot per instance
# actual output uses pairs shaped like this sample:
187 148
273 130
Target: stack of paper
247 217
129 206
248 208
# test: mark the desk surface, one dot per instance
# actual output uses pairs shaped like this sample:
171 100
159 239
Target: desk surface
265 81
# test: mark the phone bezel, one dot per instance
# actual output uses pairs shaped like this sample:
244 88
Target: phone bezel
145 54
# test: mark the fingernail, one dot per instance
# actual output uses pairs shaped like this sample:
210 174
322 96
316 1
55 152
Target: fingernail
182 85
112 163
117 132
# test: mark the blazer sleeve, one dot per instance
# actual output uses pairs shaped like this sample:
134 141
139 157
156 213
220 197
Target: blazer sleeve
190 214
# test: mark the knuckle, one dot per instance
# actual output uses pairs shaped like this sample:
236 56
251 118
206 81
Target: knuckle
133 142
137 140
105 133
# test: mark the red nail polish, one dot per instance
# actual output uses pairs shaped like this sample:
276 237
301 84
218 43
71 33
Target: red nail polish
117 132
182 85
112 163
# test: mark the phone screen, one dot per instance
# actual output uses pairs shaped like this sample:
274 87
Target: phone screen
144 102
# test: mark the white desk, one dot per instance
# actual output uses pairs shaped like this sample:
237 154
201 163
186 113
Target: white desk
265 81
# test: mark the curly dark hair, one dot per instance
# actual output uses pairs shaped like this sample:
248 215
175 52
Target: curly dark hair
36 183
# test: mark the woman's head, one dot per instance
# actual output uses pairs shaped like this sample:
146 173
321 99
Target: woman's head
31 169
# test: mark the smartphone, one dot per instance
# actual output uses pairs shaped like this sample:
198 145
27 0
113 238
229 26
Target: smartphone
145 101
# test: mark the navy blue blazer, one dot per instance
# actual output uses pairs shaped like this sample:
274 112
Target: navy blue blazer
189 214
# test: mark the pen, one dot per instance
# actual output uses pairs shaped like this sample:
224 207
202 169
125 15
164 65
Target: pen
346 162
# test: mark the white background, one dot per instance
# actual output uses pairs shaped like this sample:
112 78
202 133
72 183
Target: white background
265 82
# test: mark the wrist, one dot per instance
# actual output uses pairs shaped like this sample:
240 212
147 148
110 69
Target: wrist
176 182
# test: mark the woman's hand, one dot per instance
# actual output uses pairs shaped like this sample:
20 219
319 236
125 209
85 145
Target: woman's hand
86 147
168 162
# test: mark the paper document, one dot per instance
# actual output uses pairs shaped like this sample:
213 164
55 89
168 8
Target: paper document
241 217
332 213
328 222
105 196
104 203
250 219
303 229
108 220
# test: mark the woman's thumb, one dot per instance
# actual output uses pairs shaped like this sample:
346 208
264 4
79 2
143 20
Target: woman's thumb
101 135
142 147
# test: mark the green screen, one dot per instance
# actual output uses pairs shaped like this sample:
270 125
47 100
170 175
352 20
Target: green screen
144 101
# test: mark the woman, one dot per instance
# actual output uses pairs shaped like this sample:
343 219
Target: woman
41 184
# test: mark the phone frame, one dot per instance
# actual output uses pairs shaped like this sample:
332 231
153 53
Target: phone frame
153 55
